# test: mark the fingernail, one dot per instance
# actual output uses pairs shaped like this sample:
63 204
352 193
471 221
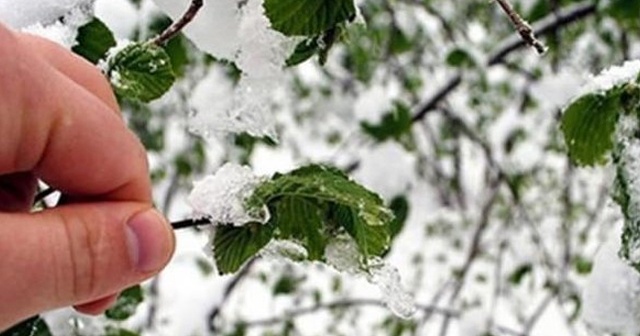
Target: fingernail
149 240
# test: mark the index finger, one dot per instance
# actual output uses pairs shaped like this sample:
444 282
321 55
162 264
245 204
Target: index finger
63 132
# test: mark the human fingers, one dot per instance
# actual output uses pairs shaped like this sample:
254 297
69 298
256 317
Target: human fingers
77 254
98 306
63 132
77 69
17 192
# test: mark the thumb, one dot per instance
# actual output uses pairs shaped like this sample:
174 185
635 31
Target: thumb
77 253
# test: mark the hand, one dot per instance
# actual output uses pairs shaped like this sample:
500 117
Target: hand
59 122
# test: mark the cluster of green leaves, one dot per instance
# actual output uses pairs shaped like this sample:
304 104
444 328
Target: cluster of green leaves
310 206
589 125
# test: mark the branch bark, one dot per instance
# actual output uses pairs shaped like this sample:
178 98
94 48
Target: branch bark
179 24
543 27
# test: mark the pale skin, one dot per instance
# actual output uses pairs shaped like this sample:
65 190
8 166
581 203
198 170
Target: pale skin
60 123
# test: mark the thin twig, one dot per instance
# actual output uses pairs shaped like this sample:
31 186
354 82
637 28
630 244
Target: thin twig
190 223
522 27
178 25
345 303
542 27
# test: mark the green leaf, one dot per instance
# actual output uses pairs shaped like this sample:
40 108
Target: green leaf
177 51
393 125
307 17
519 273
400 207
287 284
460 58
111 331
34 326
588 125
141 71
625 12
582 265
300 219
94 40
126 305
313 203
323 184
372 240
304 50
233 245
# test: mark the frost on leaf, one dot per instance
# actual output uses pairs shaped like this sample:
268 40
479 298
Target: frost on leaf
140 71
284 249
612 296
221 197
342 253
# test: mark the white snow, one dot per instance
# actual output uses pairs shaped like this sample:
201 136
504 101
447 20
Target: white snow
284 249
240 34
119 15
221 196
612 297
21 14
373 104
474 322
56 21
395 297
395 172
56 32
215 28
343 254
613 76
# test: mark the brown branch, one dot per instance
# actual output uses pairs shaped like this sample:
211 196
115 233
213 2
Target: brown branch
522 27
542 27
178 25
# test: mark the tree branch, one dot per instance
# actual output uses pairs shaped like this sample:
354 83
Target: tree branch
542 27
345 303
178 25
522 27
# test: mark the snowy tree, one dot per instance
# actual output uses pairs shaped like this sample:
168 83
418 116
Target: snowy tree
377 167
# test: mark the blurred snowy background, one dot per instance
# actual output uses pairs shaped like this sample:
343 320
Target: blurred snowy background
434 104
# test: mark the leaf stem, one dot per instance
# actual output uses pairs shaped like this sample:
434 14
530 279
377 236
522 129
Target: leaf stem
178 25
